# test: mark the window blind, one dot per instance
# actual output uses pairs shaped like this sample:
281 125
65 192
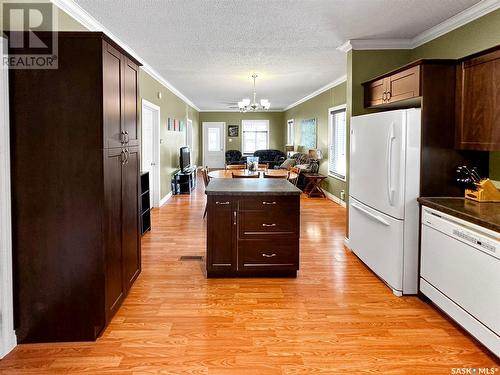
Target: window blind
337 144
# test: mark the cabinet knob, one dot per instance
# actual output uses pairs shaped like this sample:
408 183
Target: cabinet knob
269 225
268 255
384 96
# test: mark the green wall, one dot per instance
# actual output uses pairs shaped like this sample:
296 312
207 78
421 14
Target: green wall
276 127
317 108
174 107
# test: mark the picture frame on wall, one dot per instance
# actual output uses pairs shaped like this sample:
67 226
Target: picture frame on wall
181 125
169 125
233 131
308 133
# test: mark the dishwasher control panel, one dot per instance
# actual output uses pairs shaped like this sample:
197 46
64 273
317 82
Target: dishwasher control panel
480 238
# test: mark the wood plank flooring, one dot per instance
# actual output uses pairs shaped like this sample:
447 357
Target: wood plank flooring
336 317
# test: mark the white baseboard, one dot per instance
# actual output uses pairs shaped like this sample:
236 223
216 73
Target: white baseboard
10 342
334 198
346 243
165 199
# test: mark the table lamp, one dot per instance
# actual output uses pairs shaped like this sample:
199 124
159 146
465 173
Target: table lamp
315 155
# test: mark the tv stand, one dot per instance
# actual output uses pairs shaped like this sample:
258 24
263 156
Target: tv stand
183 182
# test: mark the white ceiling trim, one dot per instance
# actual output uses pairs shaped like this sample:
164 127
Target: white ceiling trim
338 81
237 110
468 15
79 14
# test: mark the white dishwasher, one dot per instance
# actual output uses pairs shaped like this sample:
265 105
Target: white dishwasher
460 273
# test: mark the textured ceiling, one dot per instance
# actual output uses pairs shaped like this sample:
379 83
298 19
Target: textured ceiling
208 49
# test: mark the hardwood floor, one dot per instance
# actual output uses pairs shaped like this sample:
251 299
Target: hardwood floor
336 317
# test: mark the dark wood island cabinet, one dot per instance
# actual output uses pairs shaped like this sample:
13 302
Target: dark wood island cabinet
253 228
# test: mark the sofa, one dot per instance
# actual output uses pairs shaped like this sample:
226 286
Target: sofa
272 157
234 157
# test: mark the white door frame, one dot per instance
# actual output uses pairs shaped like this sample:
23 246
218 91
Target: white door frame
7 333
156 151
203 138
189 135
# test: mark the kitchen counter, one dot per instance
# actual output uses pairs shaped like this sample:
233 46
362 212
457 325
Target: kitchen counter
485 214
250 186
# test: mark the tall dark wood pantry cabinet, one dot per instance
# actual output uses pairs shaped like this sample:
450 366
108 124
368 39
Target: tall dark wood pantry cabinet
75 189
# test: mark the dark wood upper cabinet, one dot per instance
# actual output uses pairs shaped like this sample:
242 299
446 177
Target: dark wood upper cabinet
130 103
478 102
402 84
75 199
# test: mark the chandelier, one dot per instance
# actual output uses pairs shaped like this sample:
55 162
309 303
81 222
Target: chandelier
246 106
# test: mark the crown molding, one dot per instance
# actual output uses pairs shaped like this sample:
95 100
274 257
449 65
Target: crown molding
321 90
82 16
468 15
238 111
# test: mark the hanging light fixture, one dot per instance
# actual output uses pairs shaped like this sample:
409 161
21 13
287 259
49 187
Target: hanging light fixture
246 105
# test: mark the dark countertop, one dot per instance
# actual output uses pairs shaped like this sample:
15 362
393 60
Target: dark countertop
251 186
485 214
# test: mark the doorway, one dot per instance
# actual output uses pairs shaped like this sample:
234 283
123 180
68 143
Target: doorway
214 147
7 335
151 149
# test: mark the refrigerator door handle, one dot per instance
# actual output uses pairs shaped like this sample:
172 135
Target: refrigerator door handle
390 190
375 217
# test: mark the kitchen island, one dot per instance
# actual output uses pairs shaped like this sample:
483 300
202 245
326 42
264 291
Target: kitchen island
253 228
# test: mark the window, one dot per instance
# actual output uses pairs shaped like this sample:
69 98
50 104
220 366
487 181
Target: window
290 133
255 135
337 143
214 139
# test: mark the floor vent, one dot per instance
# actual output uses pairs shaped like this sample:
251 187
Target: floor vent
191 257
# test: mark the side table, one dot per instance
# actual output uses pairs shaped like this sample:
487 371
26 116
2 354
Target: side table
313 187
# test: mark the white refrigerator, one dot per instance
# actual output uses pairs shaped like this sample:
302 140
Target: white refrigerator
383 190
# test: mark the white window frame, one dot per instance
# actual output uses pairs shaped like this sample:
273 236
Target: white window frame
243 135
290 132
338 108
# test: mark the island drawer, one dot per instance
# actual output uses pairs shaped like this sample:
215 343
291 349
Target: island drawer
269 203
270 253
253 223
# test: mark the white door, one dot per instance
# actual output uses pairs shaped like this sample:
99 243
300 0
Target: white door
7 335
377 239
214 145
151 149
378 148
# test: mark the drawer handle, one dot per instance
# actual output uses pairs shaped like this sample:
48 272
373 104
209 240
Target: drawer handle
269 225
223 203
268 255
269 203
389 95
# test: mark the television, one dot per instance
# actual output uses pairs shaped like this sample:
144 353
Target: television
185 158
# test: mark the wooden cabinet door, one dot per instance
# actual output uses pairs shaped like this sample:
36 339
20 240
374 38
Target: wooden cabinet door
404 85
130 217
376 92
114 289
220 227
130 102
112 96
478 103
